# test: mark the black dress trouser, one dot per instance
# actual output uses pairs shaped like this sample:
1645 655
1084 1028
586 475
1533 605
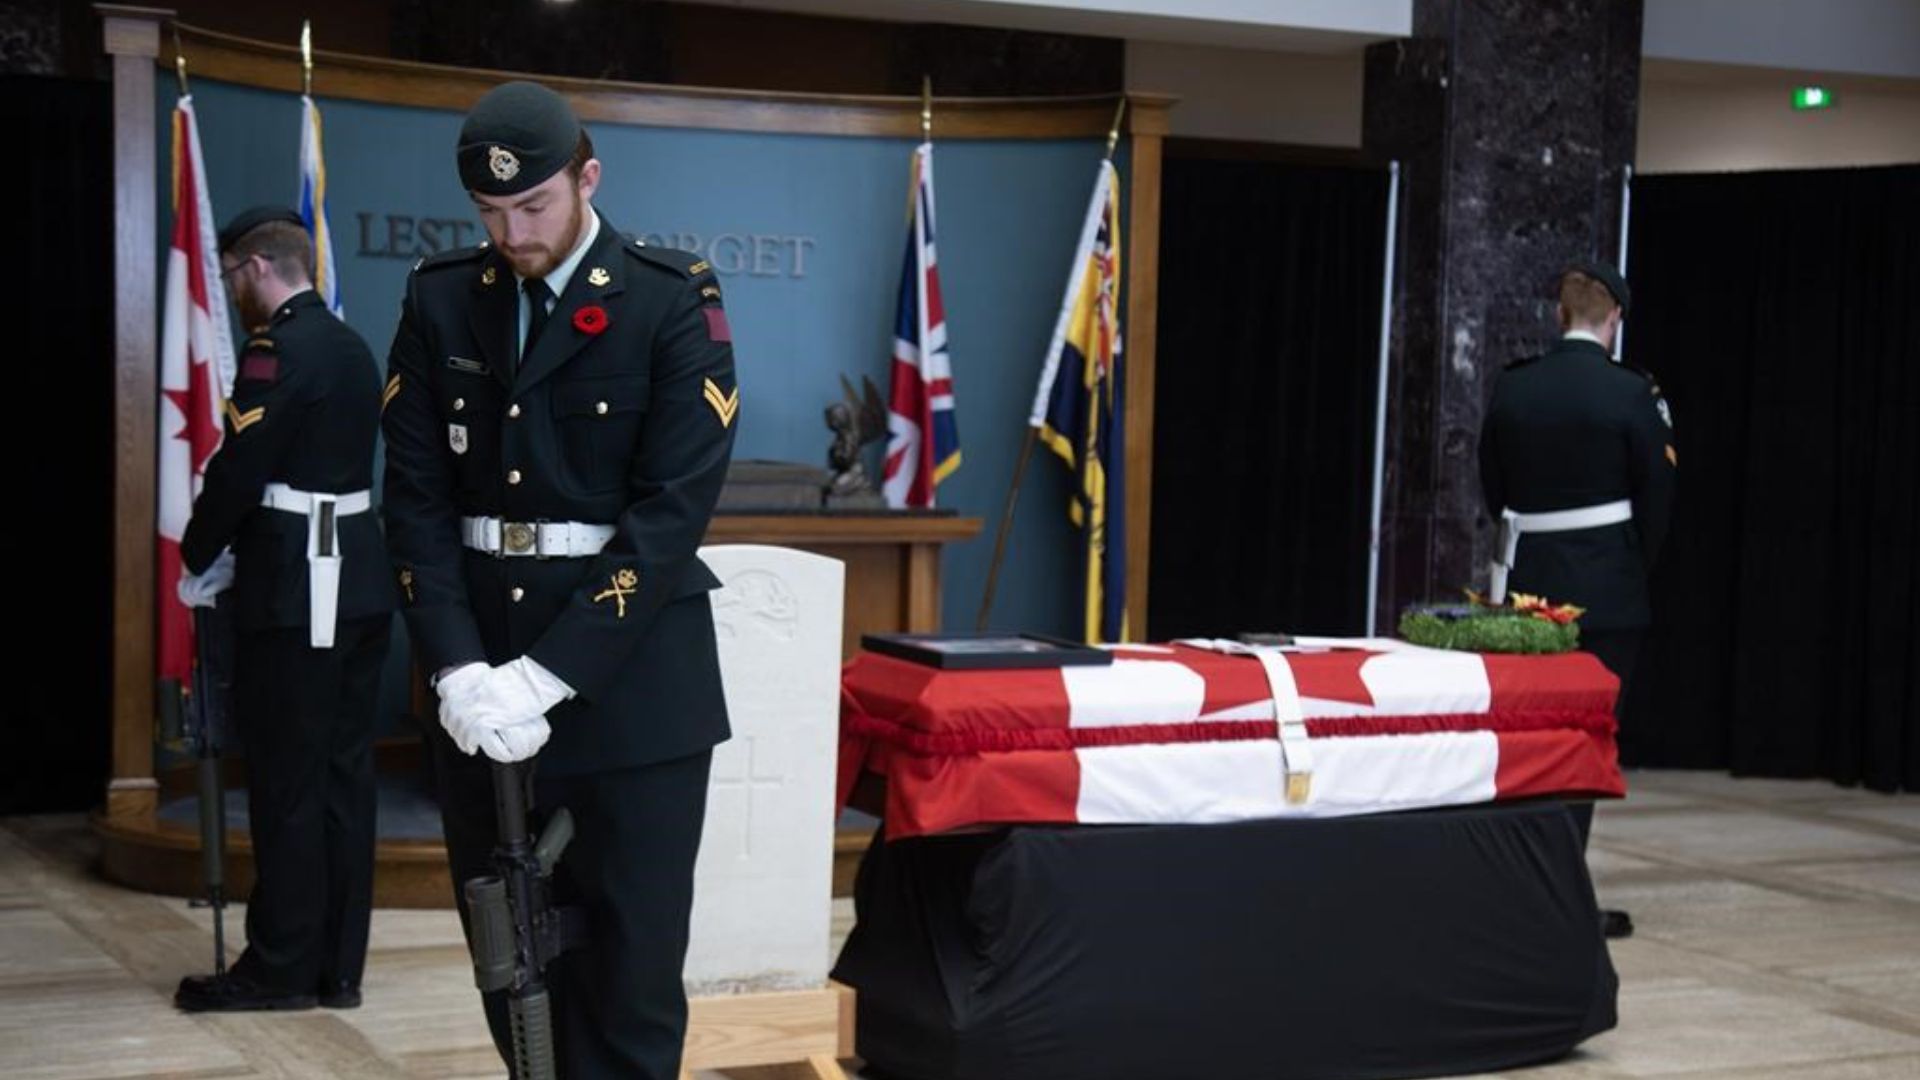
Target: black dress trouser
1619 650
619 1006
306 718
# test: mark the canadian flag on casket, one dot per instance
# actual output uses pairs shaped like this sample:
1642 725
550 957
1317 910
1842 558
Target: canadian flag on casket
1183 734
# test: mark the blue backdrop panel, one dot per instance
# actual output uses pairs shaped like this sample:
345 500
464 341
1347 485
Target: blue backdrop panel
806 233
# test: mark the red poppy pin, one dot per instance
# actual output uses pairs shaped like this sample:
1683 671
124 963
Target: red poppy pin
591 319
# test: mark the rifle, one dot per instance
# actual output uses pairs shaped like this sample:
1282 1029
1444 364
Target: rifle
197 729
515 931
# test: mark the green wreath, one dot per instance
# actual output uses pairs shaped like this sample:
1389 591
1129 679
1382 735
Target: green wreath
1476 627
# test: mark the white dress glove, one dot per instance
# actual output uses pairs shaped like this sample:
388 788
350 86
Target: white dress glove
202 590
477 703
515 742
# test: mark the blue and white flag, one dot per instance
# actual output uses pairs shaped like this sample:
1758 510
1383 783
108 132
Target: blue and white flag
313 207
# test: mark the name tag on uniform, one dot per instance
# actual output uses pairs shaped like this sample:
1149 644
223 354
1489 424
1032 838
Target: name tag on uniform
457 438
471 367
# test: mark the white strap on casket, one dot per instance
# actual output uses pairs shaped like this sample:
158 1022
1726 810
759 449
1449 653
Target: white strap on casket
1296 749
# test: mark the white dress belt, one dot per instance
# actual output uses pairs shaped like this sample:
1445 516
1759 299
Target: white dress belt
1513 524
322 509
534 539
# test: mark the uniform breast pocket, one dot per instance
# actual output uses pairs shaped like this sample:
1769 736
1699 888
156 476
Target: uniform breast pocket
599 422
470 411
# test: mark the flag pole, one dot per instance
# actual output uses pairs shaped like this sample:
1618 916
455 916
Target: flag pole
179 60
926 108
1026 449
306 57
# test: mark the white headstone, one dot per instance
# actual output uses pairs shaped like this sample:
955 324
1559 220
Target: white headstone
763 885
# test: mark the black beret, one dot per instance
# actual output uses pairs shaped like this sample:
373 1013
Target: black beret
1609 279
248 220
516 136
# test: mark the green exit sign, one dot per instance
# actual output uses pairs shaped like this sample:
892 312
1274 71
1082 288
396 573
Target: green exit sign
1812 97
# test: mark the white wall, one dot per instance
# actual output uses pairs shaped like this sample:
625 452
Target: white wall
1862 37
1253 95
1730 121
1296 25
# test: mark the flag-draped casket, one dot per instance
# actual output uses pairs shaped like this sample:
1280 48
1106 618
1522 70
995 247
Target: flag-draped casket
1183 734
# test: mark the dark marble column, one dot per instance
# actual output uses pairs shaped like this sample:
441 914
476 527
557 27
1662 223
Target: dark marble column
30 38
1513 121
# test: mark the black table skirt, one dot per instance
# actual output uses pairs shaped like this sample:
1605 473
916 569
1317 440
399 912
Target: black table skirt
1418 944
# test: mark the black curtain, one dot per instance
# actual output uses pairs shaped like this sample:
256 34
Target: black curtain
1781 312
59 482
1269 325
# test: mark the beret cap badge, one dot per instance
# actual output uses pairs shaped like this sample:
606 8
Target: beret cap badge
502 163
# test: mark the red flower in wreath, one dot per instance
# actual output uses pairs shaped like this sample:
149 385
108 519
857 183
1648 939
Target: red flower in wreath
591 319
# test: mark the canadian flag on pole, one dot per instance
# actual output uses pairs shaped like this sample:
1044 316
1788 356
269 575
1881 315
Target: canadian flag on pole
196 369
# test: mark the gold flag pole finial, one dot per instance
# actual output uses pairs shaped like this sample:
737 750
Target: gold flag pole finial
926 108
306 57
1113 133
179 60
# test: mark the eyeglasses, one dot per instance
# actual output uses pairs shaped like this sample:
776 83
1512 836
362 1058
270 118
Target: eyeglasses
234 269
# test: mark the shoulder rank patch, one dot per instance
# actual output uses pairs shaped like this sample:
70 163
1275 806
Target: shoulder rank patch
724 405
260 367
392 391
699 268
241 421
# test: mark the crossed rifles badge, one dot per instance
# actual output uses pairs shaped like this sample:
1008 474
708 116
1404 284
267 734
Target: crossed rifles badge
625 582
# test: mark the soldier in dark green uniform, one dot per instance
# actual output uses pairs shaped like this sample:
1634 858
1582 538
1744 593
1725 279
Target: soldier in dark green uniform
286 510
1577 468
561 407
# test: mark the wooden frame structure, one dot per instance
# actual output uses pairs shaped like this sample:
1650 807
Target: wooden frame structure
814 1027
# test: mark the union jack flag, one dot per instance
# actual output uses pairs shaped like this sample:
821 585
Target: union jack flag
923 447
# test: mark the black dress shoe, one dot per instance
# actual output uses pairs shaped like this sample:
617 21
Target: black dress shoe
1615 924
339 995
234 993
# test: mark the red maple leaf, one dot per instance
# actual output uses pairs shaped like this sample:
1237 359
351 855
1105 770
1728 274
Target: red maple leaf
195 405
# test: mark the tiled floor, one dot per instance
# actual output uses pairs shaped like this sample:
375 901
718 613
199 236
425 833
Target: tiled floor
1779 937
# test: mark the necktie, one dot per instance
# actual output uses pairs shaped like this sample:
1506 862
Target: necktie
538 297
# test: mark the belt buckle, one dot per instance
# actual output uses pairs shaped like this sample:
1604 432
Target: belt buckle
518 538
